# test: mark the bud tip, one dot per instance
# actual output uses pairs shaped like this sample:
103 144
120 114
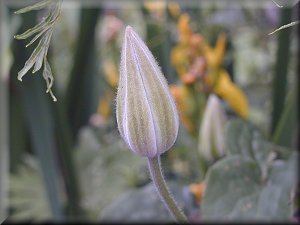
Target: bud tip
128 29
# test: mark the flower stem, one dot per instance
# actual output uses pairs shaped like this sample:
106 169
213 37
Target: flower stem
163 191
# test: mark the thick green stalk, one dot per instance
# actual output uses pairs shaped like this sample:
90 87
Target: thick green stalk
285 130
39 120
281 69
163 191
41 131
81 99
65 151
4 156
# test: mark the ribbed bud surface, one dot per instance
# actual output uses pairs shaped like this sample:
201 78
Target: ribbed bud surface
146 112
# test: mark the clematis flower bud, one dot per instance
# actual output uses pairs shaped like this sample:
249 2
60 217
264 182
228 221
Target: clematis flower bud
146 112
211 139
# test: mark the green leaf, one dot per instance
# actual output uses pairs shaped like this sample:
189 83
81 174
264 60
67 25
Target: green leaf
281 68
33 205
238 186
287 125
227 181
40 123
37 6
81 90
106 168
4 146
245 139
275 198
234 191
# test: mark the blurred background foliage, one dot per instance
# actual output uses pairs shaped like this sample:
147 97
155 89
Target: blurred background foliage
66 160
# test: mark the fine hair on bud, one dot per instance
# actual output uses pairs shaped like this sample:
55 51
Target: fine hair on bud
146 112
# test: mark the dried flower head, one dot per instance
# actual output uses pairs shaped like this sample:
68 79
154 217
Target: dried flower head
146 112
43 32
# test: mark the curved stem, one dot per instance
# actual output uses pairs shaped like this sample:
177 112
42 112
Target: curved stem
163 191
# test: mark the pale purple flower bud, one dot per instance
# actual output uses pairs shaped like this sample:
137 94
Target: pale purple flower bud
146 112
211 136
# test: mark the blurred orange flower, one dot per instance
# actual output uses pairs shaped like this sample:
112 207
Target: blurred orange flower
214 56
197 63
111 77
185 105
111 73
104 106
156 8
174 9
231 93
184 29
198 190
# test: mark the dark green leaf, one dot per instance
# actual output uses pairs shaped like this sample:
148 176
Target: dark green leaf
234 190
243 138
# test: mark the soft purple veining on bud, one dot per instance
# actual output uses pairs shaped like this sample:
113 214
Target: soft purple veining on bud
146 112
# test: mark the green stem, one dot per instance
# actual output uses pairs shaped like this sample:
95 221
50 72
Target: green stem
163 191
39 124
4 118
287 123
82 89
4 147
281 69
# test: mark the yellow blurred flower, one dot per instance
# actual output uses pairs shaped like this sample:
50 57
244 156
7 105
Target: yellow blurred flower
188 49
195 60
185 105
155 5
184 28
179 60
231 93
196 71
104 106
174 9
214 56
197 190
157 8
111 73
112 77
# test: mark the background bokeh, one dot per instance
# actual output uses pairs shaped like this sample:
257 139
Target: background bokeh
65 160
